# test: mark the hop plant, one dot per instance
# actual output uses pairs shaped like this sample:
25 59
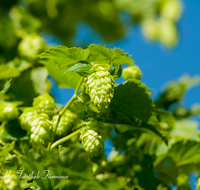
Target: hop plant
26 116
100 87
11 182
67 121
40 130
93 136
132 72
44 102
8 111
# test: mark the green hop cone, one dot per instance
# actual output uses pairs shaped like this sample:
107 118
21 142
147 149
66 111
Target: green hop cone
8 111
93 136
100 87
44 102
26 116
168 34
40 130
171 9
132 72
150 28
67 121
11 182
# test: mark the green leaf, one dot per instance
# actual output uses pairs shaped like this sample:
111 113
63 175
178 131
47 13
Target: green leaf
69 79
156 130
120 57
82 68
132 99
166 169
64 56
4 151
166 118
186 129
39 79
5 88
8 72
100 54
22 89
185 152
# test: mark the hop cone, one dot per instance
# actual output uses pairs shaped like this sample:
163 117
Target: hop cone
150 29
11 182
66 122
39 130
171 9
168 33
132 72
30 46
93 135
100 87
44 102
8 111
26 116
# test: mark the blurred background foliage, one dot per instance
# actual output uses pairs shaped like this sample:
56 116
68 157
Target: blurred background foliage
140 160
25 26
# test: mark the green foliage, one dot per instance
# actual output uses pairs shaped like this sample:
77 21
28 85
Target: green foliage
64 56
153 148
8 72
132 100
82 68
5 88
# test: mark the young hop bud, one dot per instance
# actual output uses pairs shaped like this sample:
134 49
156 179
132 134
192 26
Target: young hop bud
8 111
93 136
44 102
39 130
11 182
30 46
26 116
67 121
132 72
100 87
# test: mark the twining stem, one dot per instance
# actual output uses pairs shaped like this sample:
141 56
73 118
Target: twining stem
64 139
74 97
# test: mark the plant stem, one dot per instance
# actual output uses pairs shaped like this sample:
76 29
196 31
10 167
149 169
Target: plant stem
64 139
74 97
